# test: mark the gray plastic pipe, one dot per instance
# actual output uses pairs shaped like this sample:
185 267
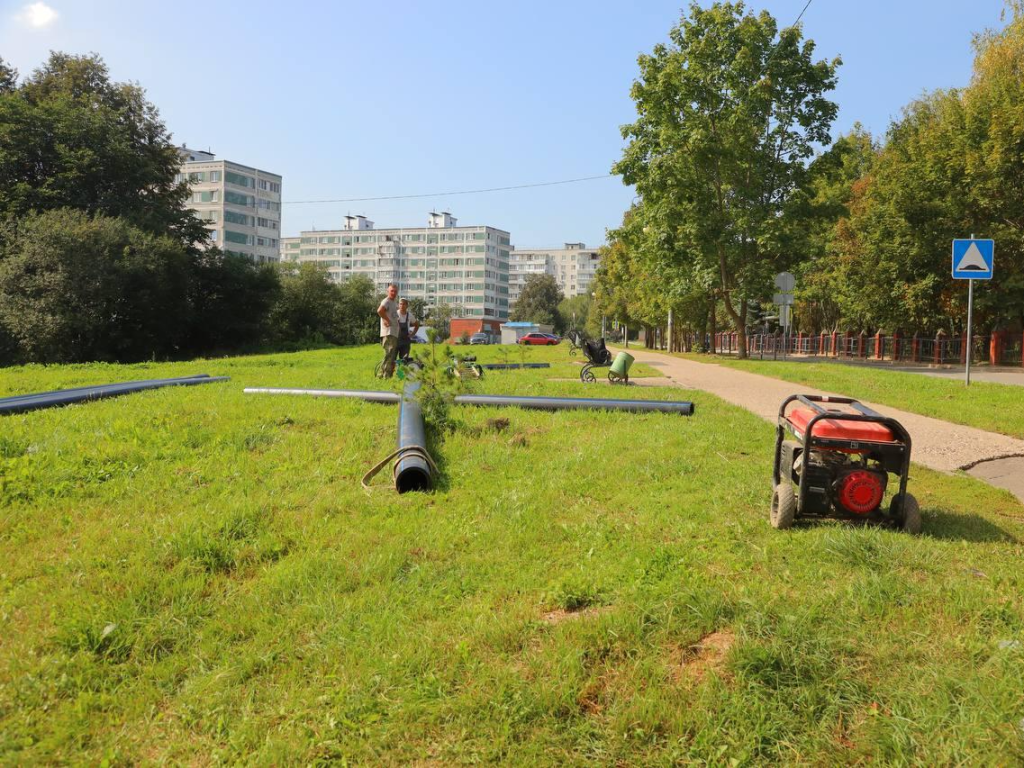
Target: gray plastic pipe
39 400
681 407
513 366
358 394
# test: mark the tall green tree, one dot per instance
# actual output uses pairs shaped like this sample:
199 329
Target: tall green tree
729 112
574 312
358 322
72 138
439 317
309 308
838 177
994 123
8 77
538 302
230 299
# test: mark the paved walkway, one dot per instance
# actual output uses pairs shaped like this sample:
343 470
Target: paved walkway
937 444
1001 375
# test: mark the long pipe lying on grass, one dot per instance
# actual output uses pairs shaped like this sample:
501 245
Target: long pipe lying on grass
513 366
681 407
413 469
34 402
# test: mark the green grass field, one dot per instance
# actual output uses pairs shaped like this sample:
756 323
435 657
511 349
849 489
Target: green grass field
992 407
194 575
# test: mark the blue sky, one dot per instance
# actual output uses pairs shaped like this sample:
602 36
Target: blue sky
397 97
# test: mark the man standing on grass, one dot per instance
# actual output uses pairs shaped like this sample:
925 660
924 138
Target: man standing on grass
388 311
408 327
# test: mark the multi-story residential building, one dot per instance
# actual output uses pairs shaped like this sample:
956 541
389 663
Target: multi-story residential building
240 205
441 263
573 268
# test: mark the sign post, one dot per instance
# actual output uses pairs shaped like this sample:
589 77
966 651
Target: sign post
972 260
784 283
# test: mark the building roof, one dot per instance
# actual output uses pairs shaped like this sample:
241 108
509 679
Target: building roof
519 325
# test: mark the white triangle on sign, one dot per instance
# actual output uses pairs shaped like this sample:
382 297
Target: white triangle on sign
972 261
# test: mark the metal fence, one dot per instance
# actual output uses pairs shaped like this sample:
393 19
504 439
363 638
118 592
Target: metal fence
1011 354
941 349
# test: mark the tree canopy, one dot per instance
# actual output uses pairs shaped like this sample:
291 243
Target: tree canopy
538 302
729 112
72 138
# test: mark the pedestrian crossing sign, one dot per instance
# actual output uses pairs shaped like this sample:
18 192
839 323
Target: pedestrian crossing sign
973 259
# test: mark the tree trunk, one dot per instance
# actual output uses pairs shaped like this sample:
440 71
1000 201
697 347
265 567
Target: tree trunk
739 321
714 326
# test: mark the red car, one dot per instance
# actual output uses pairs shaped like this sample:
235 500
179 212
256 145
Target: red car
537 338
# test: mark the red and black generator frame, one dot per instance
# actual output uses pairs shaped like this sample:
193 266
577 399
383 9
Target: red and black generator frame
836 462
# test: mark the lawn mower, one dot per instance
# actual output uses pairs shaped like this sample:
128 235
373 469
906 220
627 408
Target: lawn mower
839 461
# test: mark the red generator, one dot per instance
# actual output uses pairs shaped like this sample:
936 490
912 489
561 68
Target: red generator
833 461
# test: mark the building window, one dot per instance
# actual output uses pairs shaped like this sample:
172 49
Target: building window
237 237
214 175
213 235
234 198
239 180
206 197
238 218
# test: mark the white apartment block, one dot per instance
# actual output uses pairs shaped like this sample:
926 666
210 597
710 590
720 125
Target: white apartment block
240 205
573 268
441 263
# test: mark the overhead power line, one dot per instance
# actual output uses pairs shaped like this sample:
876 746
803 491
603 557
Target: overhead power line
449 194
802 12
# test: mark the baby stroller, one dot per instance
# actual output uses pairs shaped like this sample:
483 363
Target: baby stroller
598 356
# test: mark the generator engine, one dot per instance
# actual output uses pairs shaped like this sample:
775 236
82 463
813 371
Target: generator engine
836 478
859 489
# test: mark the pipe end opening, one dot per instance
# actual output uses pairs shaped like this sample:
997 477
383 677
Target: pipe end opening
414 479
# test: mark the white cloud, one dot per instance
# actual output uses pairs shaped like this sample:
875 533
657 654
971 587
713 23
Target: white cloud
38 15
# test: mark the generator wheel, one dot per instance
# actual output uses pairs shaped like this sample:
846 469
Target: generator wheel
783 511
587 376
910 517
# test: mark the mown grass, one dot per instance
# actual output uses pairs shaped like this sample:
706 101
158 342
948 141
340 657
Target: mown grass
194 575
992 407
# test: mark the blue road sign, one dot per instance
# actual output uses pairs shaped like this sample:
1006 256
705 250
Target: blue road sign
973 259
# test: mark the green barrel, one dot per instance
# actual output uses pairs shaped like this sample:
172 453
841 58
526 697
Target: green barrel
622 363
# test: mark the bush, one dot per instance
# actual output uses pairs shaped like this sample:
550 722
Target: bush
75 287
230 299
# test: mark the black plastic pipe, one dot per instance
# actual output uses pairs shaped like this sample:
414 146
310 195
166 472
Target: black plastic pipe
514 366
39 400
412 471
681 407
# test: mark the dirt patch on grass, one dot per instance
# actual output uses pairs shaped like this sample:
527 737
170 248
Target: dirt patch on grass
560 615
693 663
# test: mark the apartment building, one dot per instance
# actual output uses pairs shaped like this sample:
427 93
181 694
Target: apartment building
441 263
573 268
241 205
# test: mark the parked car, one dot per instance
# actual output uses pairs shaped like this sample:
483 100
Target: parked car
479 338
555 336
538 338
